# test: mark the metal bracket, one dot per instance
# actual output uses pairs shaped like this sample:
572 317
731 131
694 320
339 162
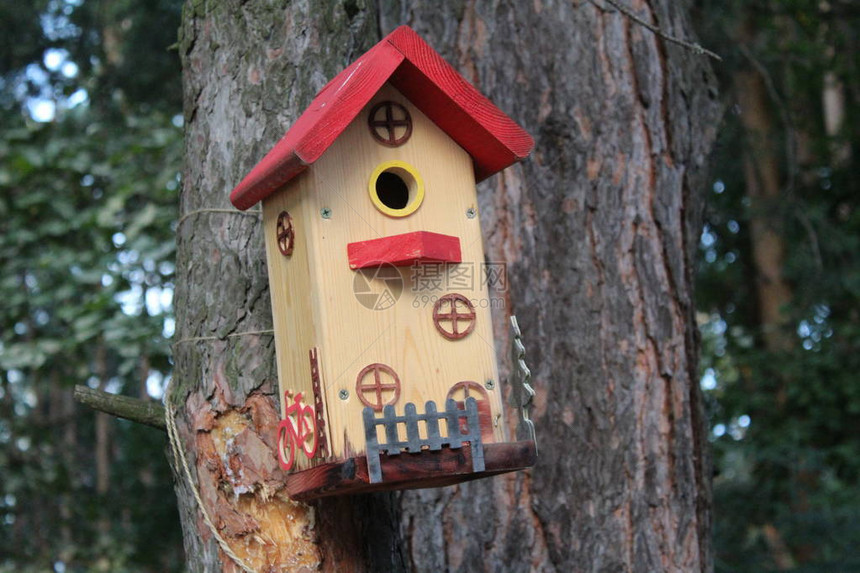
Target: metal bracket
522 393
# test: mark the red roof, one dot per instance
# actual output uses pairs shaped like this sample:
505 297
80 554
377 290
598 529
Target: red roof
402 58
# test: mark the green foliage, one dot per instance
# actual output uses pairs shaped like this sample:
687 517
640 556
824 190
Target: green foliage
784 422
88 204
20 34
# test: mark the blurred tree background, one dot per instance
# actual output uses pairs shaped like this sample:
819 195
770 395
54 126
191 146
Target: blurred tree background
89 164
90 153
779 285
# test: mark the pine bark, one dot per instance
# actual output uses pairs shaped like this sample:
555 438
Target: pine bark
599 232
598 229
250 68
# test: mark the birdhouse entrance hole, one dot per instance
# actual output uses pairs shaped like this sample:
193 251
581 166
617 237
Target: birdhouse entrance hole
396 189
392 190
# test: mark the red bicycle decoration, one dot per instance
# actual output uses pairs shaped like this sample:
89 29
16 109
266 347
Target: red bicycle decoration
453 316
298 430
285 234
376 387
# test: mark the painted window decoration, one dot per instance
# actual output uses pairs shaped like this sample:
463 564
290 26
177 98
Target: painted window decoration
285 233
297 431
462 391
454 316
396 189
377 386
390 124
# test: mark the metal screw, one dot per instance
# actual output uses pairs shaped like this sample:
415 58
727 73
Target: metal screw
325 212
471 212
489 384
343 394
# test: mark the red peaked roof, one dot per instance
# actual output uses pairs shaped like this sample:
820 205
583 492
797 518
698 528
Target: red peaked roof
402 58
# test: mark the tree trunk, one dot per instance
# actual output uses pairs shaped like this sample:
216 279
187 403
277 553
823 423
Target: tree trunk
762 179
763 188
599 230
249 70
103 431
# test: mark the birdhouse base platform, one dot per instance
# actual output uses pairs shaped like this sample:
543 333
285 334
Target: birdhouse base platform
409 470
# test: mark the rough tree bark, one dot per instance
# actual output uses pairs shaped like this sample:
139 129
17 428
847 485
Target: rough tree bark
599 230
249 70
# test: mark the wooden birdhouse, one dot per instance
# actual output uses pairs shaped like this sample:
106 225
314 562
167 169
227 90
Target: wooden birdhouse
379 286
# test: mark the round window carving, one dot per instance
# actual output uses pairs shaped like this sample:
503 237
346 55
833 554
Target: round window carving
285 233
462 391
377 385
390 124
454 316
467 389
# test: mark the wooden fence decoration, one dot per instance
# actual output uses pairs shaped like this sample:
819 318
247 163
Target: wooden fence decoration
457 433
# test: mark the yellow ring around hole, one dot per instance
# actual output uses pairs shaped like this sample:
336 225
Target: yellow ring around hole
416 187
